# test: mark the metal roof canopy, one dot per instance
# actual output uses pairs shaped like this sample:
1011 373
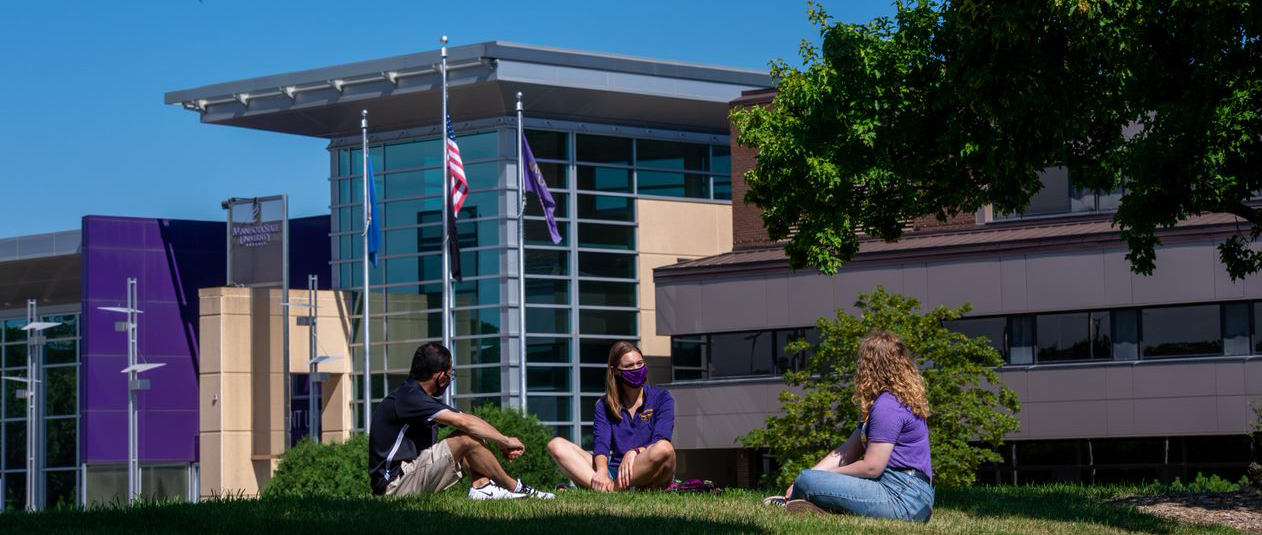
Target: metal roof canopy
402 92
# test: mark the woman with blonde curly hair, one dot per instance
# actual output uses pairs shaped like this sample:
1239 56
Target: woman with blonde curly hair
884 469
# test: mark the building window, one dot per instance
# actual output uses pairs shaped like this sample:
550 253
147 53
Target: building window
740 354
1074 336
1182 331
1059 196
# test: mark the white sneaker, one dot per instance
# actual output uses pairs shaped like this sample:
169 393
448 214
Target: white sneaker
527 490
491 491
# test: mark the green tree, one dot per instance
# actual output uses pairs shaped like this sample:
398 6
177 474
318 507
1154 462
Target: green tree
950 106
968 403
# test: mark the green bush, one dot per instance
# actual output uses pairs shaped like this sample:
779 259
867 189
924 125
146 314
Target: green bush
1202 484
970 407
335 469
535 467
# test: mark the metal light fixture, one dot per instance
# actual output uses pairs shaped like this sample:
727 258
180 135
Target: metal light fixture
134 384
34 417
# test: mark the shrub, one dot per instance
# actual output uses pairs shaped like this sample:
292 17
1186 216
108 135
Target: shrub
334 469
970 407
535 467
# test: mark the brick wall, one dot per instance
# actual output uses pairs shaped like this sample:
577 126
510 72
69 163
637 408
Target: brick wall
747 229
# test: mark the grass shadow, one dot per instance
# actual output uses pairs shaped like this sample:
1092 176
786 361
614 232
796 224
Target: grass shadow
1050 502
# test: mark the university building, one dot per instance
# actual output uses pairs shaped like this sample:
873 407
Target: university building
1120 376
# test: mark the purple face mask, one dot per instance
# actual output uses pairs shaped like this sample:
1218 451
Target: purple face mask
635 378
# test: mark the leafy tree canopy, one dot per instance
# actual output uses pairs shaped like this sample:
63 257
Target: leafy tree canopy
949 106
970 408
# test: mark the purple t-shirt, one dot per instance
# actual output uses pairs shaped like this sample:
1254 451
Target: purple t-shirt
893 422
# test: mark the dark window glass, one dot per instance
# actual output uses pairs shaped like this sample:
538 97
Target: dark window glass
410 298
594 351
603 149
485 204
598 236
722 187
738 354
13 330
548 291
1126 334
1076 336
608 265
478 321
62 442
589 437
587 404
15 356
687 356
1257 327
1236 328
13 407
721 161
607 322
414 154
547 379
61 391
547 320
472 404
478 350
547 349
591 379
407 213
409 269
60 488
477 292
547 262
1054 197
414 184
535 209
606 207
63 352
673 184
1182 331
786 361
14 444
607 294
672 155
548 145
478 380
413 326
477 263
343 162
67 326
537 233
991 328
478 146
482 176
550 408
406 241
1021 340
606 179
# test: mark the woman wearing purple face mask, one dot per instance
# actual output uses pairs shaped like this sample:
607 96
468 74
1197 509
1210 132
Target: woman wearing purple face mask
632 425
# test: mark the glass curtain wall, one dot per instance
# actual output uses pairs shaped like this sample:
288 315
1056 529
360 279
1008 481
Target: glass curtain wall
581 294
60 398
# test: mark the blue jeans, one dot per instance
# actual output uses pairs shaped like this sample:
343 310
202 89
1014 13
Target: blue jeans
893 495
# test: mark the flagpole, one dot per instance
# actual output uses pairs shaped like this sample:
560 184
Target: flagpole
446 324
363 125
521 256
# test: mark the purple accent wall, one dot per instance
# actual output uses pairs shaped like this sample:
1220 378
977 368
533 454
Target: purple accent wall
171 260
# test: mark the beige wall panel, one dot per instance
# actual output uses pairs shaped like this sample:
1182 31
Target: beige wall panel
647 262
650 343
225 464
683 227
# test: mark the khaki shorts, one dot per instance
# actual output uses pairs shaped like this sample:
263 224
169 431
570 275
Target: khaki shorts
431 471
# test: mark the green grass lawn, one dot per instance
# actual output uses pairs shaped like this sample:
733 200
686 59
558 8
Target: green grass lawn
1042 510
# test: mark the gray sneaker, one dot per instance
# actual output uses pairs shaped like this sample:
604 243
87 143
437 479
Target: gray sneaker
775 501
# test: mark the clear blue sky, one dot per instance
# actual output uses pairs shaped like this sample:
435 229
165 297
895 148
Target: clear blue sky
85 130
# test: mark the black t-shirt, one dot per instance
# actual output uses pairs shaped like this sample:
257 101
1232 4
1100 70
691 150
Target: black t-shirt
403 424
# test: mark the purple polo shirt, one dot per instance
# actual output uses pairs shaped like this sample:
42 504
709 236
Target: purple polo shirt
653 421
891 421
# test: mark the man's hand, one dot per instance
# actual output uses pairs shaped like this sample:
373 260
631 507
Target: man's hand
624 469
601 481
512 448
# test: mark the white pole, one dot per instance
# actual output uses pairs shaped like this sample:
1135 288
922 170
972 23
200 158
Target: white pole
32 412
521 255
446 324
133 454
313 402
363 125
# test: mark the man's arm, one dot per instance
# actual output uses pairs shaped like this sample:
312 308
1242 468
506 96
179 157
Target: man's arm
478 428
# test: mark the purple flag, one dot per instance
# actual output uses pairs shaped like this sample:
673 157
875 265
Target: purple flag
535 183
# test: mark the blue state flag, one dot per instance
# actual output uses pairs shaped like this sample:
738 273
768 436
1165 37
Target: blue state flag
374 227
535 183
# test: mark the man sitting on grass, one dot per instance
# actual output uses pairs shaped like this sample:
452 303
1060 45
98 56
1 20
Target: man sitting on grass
405 455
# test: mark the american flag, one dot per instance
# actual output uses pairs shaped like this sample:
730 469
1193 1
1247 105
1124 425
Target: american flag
459 186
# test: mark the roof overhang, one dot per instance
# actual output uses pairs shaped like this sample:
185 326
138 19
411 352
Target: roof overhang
483 80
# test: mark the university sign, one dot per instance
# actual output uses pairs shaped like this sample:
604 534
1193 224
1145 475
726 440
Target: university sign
257 252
